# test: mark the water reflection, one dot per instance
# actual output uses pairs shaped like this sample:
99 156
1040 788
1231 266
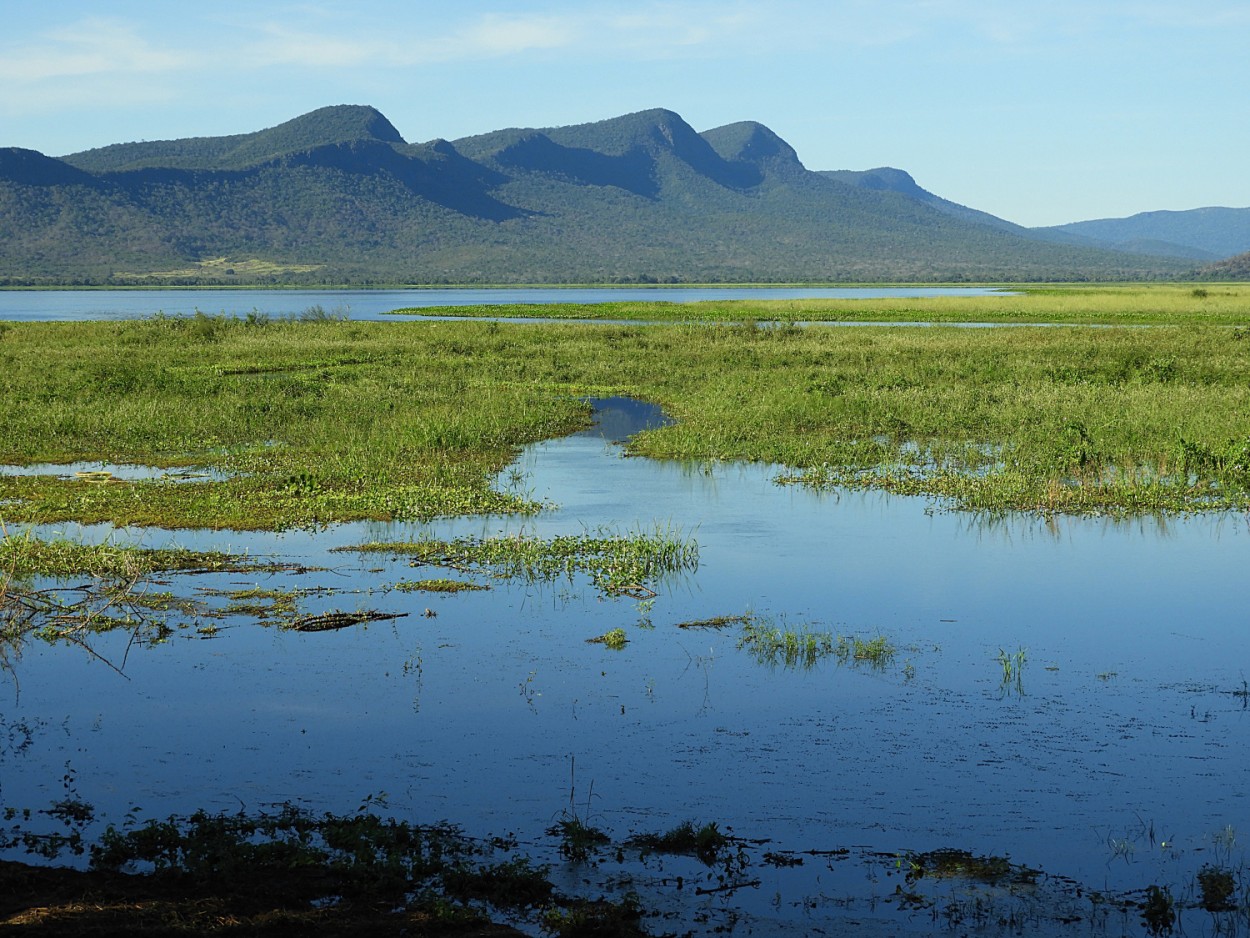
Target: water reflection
73 305
683 723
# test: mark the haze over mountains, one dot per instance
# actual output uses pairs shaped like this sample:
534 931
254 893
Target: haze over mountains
338 196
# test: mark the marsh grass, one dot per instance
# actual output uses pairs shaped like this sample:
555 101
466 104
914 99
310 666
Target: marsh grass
24 556
953 864
439 586
1012 665
616 639
1072 304
622 564
706 842
774 645
789 647
717 622
325 421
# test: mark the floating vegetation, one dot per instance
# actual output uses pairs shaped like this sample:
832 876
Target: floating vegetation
616 639
717 622
330 621
617 564
438 586
951 864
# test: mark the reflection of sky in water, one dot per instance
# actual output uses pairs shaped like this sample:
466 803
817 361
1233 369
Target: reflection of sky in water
1135 635
69 305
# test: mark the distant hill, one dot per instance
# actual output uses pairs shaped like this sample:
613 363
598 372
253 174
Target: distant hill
337 196
888 179
1233 268
1200 233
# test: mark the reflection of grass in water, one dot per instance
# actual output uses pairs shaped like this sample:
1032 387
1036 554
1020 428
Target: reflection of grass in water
616 639
1013 670
24 555
951 864
615 563
801 647
716 622
706 842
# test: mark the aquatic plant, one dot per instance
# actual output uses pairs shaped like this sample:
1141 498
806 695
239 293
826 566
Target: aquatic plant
878 651
25 555
706 842
802 647
788 647
950 863
1158 910
1216 885
621 564
616 639
1012 670
716 622
439 586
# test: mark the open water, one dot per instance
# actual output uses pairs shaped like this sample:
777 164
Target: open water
1114 761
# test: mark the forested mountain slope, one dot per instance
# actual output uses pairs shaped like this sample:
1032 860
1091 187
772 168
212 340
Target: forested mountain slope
338 196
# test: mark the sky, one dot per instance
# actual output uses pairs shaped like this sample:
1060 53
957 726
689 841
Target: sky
1041 113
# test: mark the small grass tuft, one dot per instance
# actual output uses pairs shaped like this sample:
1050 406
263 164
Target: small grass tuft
616 639
438 586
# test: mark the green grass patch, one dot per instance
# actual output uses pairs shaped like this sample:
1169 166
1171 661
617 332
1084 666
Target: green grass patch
23 556
716 622
616 639
438 586
615 563
321 421
783 646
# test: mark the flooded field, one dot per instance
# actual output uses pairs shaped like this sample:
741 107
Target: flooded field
1055 719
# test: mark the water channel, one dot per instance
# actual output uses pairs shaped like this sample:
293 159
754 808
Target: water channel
74 305
1115 757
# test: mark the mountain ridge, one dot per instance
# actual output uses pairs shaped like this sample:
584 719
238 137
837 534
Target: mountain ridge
337 195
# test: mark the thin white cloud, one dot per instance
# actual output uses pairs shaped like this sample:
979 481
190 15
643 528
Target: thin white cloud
333 45
87 48
494 34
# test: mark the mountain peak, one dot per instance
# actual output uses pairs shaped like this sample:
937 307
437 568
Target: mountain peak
881 179
327 126
656 128
750 142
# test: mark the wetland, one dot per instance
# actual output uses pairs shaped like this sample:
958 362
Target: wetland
754 629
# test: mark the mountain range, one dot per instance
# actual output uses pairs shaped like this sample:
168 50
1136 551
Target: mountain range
338 196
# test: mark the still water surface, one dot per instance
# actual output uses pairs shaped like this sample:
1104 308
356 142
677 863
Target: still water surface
68 305
1124 732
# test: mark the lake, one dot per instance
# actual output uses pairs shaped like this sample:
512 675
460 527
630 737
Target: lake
69 305
1111 757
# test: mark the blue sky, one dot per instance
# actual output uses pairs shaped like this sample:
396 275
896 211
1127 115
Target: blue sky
1042 113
